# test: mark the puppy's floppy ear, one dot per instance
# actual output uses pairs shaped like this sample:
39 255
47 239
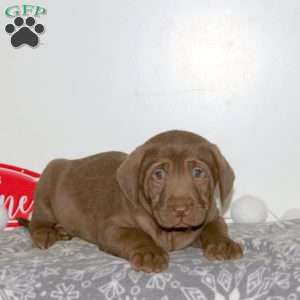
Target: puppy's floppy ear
225 175
128 174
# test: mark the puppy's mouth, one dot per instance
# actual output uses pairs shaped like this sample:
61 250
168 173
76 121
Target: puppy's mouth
181 227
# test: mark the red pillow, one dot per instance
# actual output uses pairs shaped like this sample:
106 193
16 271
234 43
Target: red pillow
16 192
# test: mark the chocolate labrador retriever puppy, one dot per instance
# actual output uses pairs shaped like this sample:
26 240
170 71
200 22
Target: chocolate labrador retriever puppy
139 206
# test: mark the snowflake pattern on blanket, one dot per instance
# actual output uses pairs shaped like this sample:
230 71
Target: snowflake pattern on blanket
270 270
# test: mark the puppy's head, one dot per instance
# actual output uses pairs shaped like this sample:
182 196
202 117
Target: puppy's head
174 176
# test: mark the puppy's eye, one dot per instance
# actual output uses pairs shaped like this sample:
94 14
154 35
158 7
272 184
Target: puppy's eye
198 173
159 174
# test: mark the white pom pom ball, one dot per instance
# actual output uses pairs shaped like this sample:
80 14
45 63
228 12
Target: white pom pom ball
249 209
3 217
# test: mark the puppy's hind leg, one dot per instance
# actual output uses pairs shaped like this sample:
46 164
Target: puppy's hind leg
43 229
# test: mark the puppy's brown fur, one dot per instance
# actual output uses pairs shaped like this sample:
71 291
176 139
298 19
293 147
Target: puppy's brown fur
139 206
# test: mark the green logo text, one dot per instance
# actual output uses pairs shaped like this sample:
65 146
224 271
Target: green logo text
25 10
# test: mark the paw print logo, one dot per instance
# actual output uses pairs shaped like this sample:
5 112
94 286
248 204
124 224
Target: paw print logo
24 33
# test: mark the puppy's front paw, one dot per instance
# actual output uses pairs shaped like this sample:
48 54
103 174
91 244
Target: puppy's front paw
222 249
149 259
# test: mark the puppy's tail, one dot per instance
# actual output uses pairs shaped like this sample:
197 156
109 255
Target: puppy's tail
23 222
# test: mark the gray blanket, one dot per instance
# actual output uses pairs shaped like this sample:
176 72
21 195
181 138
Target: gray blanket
76 269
